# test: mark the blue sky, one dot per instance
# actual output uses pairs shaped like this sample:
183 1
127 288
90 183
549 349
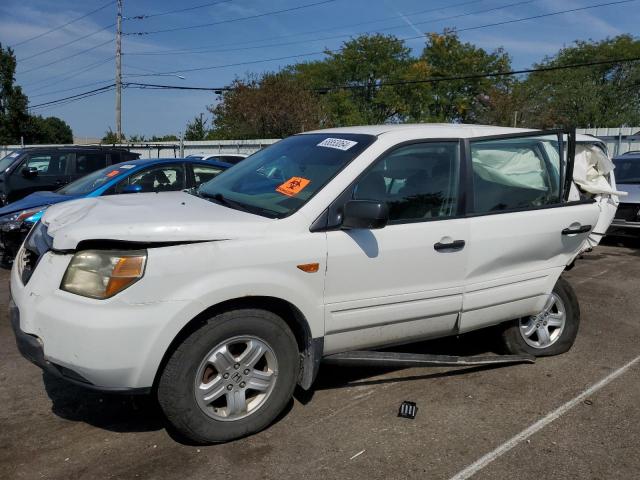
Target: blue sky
288 34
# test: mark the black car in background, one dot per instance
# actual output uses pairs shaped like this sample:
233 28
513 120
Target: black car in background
32 169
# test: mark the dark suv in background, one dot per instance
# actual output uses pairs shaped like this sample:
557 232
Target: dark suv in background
29 170
627 220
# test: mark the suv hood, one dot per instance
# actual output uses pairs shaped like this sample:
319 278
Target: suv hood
148 217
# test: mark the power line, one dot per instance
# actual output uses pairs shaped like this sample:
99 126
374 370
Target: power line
82 52
231 20
64 24
77 87
42 52
179 10
206 49
417 81
71 97
333 37
506 22
69 74
106 88
213 67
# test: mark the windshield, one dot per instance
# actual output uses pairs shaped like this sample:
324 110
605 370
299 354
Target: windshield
277 181
97 179
7 161
627 170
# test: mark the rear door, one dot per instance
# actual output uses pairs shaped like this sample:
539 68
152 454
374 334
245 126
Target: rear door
523 231
87 162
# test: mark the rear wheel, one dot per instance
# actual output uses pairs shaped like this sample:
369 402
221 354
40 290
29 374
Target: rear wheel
230 378
550 332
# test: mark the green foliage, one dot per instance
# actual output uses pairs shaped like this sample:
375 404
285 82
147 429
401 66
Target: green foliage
14 119
111 137
462 100
196 129
273 106
50 130
594 96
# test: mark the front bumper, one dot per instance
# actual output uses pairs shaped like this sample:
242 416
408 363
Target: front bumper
32 348
110 345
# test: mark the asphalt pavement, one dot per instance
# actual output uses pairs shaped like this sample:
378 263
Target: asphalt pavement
549 420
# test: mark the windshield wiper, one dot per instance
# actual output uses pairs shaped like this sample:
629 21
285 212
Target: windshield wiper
222 200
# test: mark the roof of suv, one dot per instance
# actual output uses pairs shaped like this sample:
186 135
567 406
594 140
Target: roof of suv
76 147
428 130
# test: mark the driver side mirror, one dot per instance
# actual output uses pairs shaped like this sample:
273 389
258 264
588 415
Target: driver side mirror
132 189
29 172
367 214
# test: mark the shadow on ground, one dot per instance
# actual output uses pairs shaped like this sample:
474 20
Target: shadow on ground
141 413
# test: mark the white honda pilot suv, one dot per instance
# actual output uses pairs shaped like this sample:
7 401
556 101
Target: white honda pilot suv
326 242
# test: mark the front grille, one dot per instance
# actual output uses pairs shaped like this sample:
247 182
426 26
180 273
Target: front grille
629 212
37 243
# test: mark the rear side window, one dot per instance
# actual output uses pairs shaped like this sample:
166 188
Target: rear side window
627 170
204 173
417 182
165 178
515 173
49 164
90 162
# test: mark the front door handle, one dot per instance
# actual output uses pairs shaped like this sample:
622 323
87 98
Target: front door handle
454 246
580 229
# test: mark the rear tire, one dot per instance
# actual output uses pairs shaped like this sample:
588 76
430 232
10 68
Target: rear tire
551 332
230 378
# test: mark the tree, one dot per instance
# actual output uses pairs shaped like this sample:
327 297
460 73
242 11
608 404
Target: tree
164 138
111 137
362 76
14 119
273 106
604 95
464 100
196 129
50 130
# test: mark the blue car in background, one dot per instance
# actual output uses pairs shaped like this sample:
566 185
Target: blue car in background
136 176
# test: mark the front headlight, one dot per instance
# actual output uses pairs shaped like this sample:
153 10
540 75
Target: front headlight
103 273
14 221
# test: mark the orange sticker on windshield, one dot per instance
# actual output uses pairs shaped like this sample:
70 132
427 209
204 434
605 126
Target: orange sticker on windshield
113 173
293 186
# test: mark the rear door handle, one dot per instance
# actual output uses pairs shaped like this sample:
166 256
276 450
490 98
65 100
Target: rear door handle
454 246
580 229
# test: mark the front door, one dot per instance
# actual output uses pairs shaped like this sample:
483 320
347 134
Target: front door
49 172
523 233
404 281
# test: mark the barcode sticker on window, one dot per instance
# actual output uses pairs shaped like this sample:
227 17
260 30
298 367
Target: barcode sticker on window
337 143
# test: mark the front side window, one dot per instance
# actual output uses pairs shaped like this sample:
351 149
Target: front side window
7 161
47 164
417 182
627 170
515 173
165 178
278 180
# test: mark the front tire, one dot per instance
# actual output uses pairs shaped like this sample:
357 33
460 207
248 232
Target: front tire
552 331
231 377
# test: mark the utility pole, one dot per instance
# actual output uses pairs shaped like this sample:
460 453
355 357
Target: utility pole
119 72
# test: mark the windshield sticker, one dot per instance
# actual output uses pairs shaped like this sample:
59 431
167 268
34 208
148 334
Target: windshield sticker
337 143
293 186
113 173
127 166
